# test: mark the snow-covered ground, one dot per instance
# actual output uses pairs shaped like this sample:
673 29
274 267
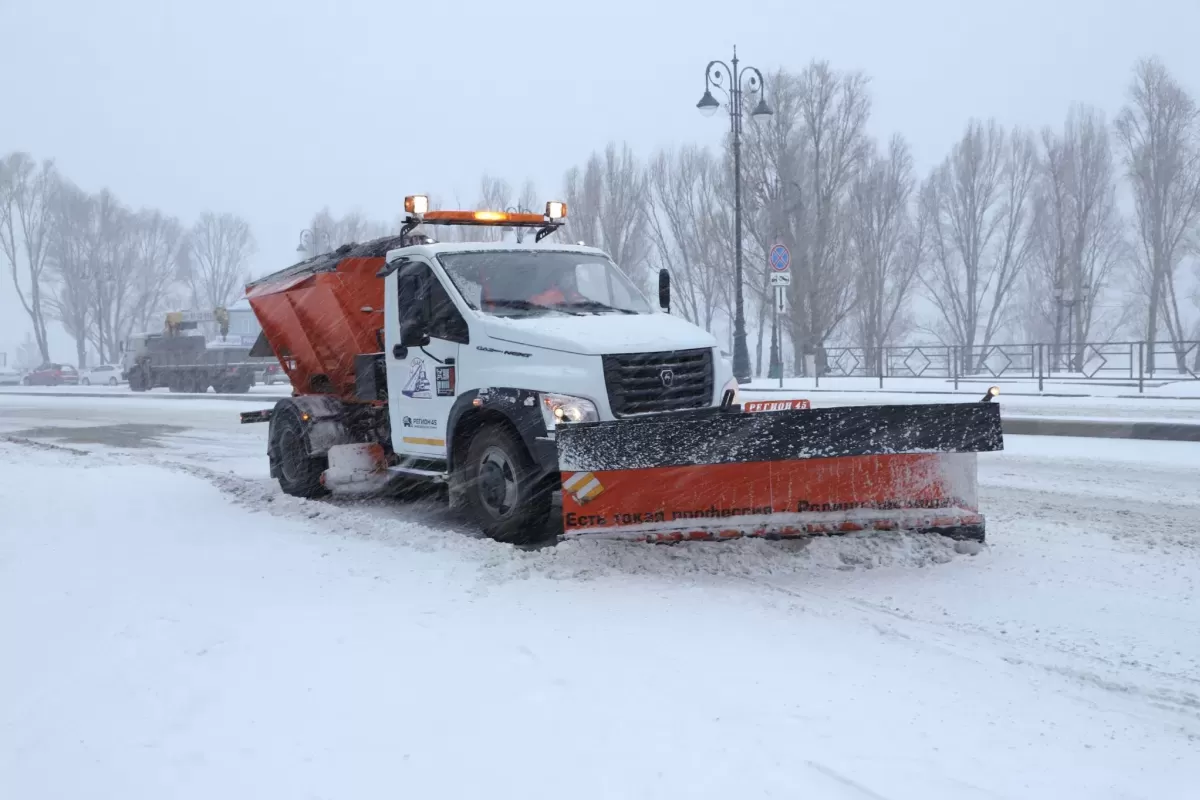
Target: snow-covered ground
175 627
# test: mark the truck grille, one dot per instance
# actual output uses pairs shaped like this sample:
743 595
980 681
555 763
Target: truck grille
641 383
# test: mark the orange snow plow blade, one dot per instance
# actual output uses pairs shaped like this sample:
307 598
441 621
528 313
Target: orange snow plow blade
780 474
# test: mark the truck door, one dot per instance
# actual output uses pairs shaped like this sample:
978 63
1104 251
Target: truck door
422 338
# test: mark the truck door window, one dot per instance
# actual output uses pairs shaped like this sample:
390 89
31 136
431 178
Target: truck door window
420 288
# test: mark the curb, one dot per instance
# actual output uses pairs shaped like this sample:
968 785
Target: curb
1093 429
1014 426
234 398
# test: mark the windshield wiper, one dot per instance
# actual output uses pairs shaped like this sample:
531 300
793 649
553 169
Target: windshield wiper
593 305
525 305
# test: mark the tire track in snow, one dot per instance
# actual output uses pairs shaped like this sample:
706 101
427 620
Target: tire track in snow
982 648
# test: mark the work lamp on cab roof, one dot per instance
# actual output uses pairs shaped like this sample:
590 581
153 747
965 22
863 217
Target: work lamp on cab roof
416 204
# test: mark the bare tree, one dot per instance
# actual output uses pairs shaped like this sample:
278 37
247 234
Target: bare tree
685 188
28 353
112 269
887 246
606 208
26 197
69 263
157 243
980 208
800 167
1080 242
527 202
1160 131
219 245
326 233
773 179
495 194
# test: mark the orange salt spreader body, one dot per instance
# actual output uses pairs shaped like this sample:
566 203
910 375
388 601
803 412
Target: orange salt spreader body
318 315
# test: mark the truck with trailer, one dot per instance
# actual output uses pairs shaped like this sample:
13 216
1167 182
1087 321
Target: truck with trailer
181 359
521 374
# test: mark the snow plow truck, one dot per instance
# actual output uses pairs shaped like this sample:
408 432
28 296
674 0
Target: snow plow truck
518 374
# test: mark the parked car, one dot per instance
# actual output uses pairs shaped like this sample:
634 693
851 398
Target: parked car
101 375
9 376
51 374
270 374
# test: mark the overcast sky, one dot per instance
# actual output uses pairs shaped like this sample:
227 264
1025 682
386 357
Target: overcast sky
274 109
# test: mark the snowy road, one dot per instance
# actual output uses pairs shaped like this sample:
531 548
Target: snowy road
177 628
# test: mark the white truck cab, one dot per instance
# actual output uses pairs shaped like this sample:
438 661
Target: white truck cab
459 320
488 347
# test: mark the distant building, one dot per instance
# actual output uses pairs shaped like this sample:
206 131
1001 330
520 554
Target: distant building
242 322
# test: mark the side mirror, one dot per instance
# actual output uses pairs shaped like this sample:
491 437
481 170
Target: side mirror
664 290
413 333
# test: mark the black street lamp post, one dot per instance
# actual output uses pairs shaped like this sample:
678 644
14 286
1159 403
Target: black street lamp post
311 240
730 81
519 231
1070 300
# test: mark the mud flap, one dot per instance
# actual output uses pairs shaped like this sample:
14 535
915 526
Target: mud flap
779 474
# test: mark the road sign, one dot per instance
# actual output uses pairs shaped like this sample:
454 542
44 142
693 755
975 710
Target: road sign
780 258
781 278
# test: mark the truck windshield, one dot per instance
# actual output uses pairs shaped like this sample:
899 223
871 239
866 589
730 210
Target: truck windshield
514 283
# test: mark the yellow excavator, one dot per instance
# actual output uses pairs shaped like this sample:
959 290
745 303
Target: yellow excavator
189 320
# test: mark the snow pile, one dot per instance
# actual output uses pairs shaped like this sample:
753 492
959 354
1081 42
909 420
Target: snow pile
583 559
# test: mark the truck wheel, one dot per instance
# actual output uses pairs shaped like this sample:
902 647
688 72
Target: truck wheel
509 502
299 473
137 381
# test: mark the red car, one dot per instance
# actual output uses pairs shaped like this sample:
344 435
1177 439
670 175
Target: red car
52 375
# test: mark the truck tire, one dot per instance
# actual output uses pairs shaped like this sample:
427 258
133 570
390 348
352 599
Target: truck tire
299 473
137 380
509 501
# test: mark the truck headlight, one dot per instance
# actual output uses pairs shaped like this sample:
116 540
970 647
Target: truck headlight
737 395
558 408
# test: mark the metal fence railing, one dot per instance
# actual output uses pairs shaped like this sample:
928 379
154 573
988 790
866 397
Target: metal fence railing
1127 363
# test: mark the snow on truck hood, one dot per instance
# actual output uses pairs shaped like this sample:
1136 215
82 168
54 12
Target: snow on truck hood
602 333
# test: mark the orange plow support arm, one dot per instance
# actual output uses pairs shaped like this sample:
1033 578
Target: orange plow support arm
728 474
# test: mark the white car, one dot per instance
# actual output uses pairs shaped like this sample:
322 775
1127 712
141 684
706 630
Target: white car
9 377
102 375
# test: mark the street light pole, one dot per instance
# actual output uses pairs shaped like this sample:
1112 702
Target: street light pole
730 81
312 239
518 209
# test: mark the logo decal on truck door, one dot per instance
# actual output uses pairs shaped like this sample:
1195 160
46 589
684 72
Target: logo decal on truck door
444 376
418 382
